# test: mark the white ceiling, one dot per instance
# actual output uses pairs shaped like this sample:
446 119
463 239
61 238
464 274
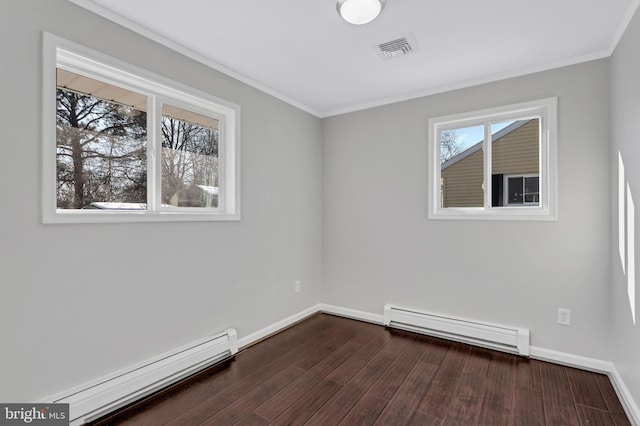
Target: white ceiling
302 52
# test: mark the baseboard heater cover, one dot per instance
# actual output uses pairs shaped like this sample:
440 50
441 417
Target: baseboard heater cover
96 399
493 336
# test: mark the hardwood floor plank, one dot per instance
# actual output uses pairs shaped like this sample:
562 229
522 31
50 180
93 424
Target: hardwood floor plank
585 389
200 412
202 409
308 404
252 419
337 358
234 412
349 368
366 331
387 385
497 405
399 341
343 401
276 405
436 351
370 373
365 412
337 407
403 403
559 406
329 344
216 402
293 339
409 394
528 409
288 337
445 382
466 406
611 399
594 417
419 419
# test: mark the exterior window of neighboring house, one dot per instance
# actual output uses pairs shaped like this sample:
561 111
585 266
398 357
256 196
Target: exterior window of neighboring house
522 190
494 164
124 145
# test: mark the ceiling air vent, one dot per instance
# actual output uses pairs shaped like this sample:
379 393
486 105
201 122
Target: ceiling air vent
395 48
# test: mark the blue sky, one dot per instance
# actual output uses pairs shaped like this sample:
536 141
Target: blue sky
471 135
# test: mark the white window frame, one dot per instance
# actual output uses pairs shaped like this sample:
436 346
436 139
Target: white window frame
61 53
546 111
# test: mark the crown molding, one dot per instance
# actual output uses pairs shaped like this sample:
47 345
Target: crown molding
118 19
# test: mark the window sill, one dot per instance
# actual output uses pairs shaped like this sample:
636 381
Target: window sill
502 213
66 216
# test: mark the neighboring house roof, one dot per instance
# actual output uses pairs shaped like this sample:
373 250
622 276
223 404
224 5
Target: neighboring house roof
477 146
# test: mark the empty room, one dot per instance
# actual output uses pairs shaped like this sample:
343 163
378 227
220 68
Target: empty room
319 212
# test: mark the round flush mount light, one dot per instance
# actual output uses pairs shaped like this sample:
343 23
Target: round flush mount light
359 12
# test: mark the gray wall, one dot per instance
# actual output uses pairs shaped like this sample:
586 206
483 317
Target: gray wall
81 301
625 132
379 247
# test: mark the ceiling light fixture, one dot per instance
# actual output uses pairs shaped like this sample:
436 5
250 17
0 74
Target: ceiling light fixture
359 12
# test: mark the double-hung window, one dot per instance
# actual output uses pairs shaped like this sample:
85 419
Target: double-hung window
498 163
123 144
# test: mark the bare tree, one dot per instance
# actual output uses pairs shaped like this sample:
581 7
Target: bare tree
189 163
450 145
100 152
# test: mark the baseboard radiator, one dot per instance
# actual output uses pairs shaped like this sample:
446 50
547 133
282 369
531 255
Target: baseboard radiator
96 399
493 336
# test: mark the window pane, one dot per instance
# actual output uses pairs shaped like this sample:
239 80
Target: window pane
515 188
190 167
101 138
515 151
531 191
461 166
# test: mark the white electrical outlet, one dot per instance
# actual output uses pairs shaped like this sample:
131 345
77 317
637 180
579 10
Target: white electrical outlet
298 287
564 316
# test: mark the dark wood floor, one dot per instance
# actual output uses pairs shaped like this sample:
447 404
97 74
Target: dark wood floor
328 370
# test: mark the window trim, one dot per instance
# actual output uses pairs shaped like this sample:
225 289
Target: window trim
58 52
546 111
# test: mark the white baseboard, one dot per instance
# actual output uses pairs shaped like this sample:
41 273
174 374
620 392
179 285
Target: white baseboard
350 313
571 360
276 327
262 334
629 405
